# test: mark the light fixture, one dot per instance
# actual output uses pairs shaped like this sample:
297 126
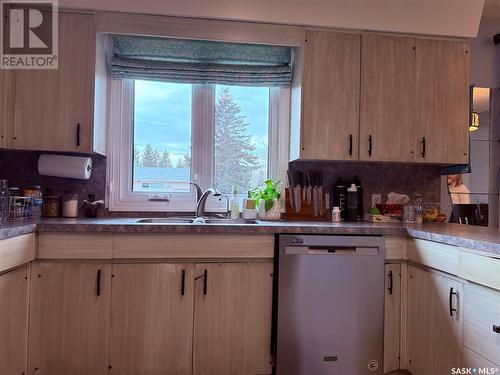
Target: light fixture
474 122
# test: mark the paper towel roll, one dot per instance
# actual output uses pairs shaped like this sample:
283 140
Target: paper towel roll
65 166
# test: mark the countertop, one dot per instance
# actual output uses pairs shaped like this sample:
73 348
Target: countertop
472 237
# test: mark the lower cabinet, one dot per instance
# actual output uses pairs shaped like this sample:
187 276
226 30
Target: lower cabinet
69 318
392 317
187 318
152 319
232 318
435 322
14 297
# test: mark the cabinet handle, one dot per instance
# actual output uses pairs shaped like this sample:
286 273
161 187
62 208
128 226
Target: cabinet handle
423 147
452 293
98 287
391 283
183 282
350 144
78 134
370 145
496 329
205 281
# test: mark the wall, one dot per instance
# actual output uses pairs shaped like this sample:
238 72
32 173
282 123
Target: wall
20 168
485 56
380 178
443 17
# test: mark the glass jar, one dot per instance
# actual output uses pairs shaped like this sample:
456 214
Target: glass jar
4 200
70 205
419 209
36 201
51 206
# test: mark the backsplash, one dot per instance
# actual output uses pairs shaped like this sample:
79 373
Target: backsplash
380 178
20 168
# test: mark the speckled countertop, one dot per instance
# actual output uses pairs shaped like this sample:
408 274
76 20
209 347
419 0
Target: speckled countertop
472 237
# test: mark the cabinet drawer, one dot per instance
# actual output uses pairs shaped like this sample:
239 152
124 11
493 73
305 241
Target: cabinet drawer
74 245
479 269
433 254
16 251
482 312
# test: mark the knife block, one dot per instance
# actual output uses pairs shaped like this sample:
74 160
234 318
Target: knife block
306 212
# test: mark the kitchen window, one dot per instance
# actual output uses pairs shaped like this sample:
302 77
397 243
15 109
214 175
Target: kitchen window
165 134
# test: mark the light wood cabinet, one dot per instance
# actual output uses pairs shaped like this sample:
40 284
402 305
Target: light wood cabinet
442 101
232 319
69 318
152 319
330 96
14 298
392 317
481 316
387 98
435 322
6 104
54 109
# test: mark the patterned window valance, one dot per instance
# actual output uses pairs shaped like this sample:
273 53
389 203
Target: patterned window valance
196 61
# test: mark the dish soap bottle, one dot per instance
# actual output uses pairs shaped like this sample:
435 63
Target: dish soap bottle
235 206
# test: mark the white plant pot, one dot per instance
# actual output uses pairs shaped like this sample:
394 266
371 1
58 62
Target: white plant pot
274 213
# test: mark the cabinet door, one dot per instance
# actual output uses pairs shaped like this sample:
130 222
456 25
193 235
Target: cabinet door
6 105
435 334
442 101
152 319
232 319
14 321
50 105
387 98
392 317
330 96
69 318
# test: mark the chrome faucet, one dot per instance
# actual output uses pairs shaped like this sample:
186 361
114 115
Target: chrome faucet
201 199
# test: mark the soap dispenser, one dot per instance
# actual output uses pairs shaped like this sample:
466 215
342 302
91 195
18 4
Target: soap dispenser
235 206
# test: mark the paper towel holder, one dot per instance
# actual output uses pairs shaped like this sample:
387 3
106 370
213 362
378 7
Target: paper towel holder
66 166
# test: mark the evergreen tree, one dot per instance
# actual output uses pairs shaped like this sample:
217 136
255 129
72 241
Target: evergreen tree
137 156
164 160
149 157
184 161
235 158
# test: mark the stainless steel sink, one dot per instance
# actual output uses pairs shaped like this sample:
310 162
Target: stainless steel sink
201 221
166 220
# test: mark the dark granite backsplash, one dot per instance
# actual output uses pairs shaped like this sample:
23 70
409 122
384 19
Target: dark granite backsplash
20 168
380 178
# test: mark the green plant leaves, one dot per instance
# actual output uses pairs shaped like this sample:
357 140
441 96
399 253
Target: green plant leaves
269 194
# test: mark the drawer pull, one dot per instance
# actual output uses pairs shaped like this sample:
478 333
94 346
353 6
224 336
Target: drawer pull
496 329
391 283
452 293
98 283
350 145
370 145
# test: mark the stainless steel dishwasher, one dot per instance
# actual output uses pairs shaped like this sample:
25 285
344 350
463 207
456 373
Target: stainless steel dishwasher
330 305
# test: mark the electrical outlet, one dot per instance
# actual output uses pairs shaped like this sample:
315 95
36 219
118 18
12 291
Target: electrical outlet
376 199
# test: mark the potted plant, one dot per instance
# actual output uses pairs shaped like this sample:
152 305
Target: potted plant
268 200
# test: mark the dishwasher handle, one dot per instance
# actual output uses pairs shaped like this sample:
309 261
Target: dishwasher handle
331 250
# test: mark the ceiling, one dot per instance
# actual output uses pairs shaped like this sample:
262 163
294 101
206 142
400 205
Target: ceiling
434 17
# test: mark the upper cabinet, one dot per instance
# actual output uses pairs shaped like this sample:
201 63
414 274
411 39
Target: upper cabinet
380 97
330 96
442 101
54 109
387 97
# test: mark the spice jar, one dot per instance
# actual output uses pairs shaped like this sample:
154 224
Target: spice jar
70 205
52 206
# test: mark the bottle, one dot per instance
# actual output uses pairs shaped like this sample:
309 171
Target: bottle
235 206
339 196
356 181
352 203
336 214
418 208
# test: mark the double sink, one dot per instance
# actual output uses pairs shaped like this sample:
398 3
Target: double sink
196 221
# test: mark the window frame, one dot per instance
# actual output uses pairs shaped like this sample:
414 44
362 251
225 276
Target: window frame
120 196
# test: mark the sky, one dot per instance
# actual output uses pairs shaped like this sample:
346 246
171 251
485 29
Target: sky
163 115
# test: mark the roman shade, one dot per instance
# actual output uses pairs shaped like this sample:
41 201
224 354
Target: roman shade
197 61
